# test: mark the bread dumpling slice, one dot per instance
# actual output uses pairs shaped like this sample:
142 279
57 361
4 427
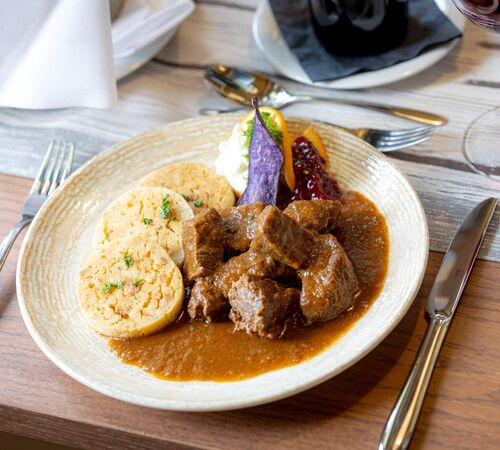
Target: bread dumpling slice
131 288
199 184
151 213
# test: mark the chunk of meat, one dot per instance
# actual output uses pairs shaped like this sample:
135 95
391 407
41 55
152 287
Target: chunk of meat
281 237
208 299
262 306
203 242
207 302
329 284
320 216
252 263
239 225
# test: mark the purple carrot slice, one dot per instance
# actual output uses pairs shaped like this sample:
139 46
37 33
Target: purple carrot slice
265 161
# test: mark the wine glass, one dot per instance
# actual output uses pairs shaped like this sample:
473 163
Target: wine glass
481 145
484 13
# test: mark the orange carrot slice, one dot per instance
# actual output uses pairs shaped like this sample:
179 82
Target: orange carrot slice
315 140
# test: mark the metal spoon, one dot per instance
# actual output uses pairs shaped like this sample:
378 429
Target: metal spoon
241 85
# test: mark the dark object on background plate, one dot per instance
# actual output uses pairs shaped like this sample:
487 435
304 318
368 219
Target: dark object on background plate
359 27
427 27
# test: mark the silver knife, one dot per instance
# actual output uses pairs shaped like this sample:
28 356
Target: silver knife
443 301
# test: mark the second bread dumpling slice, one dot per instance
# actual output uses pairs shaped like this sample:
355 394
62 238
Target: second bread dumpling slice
150 213
199 184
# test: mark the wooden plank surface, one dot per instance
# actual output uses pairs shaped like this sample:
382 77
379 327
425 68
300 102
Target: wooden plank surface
461 410
461 87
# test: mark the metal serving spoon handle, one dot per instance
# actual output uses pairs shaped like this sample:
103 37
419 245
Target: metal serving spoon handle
405 113
216 111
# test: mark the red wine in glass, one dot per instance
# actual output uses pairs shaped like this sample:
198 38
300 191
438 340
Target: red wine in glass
484 13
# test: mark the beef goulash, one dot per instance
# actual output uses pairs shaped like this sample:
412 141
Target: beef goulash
236 290
287 272
254 311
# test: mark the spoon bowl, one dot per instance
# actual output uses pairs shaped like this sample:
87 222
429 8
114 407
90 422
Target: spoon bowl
239 85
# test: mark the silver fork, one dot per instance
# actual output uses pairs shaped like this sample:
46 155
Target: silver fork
391 140
383 140
56 166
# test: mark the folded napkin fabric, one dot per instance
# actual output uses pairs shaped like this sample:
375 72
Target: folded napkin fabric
427 27
56 54
140 22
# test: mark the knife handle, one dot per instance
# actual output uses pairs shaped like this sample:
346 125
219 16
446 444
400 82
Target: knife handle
401 423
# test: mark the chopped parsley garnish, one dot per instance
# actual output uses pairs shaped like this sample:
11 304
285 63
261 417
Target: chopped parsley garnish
251 217
128 259
271 126
147 221
110 285
187 291
185 196
138 282
198 203
165 209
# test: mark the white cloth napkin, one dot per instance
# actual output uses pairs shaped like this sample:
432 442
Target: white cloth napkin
140 22
56 54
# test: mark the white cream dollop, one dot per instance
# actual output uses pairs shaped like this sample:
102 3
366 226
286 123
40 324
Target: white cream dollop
232 161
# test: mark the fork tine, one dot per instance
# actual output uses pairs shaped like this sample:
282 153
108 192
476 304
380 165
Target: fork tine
47 178
403 132
401 145
55 175
400 134
69 163
37 184
402 138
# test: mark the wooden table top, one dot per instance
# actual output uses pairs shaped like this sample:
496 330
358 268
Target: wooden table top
349 411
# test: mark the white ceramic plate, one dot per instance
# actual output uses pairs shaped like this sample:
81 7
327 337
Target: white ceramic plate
143 51
269 40
133 62
58 242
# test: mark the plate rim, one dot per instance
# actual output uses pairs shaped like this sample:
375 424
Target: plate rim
387 75
224 405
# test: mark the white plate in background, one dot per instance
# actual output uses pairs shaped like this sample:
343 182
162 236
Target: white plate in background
147 28
268 38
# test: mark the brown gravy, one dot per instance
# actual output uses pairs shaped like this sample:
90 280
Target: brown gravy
196 351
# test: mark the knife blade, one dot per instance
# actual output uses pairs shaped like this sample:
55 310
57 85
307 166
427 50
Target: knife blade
442 303
458 262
